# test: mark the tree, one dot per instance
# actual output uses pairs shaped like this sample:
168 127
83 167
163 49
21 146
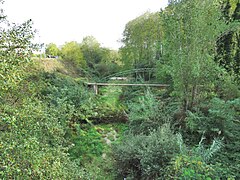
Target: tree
15 52
71 51
100 61
191 28
142 41
52 50
110 62
91 51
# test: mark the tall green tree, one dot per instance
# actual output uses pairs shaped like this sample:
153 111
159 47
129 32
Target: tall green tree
52 50
191 28
71 51
91 51
142 41
100 61
110 62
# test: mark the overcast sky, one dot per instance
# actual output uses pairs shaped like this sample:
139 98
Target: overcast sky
60 21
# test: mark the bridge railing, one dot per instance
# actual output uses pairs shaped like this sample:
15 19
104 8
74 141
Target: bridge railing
95 85
132 75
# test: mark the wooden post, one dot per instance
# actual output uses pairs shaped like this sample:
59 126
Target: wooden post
95 88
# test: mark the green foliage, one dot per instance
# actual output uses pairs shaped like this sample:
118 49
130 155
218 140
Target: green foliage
91 51
190 32
227 87
100 168
104 69
47 120
87 144
110 96
142 41
145 156
194 163
146 114
100 61
71 51
228 44
15 53
52 50
194 35
32 143
191 167
63 88
200 151
220 119
81 105
106 108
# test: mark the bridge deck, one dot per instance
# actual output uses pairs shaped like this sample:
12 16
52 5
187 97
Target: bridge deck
126 84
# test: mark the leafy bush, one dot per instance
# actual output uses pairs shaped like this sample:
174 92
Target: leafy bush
87 143
190 167
227 87
220 119
147 114
145 156
193 163
15 51
60 87
32 143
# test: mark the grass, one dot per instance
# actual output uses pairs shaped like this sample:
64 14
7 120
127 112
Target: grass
103 167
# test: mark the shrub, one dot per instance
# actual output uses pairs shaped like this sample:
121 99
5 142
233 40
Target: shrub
220 118
65 88
33 144
190 167
147 114
193 163
145 156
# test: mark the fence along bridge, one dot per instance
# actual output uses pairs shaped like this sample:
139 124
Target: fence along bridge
139 74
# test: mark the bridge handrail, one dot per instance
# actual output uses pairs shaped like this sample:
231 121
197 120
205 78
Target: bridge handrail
129 72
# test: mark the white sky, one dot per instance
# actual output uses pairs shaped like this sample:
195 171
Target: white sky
60 21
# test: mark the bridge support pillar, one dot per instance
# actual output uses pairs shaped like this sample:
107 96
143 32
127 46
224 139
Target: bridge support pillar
95 88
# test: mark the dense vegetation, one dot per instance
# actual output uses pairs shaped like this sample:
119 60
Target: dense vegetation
91 59
53 127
